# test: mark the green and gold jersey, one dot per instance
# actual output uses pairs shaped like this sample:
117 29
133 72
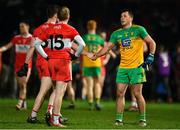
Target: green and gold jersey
131 45
93 44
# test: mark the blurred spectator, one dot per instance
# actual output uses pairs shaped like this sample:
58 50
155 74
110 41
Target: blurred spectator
177 71
104 60
109 90
164 67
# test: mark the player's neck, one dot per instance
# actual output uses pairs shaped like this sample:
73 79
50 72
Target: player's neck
25 34
63 22
51 20
127 26
92 31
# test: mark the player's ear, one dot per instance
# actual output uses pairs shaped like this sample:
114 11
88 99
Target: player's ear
28 26
68 17
131 18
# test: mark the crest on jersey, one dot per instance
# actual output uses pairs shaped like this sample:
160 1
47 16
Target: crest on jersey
126 42
57 27
45 26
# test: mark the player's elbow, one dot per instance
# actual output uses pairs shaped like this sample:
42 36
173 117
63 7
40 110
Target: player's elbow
80 41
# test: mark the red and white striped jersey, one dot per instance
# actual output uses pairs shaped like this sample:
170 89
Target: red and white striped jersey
22 44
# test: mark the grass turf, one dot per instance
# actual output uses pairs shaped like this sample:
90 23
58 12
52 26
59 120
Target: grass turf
159 116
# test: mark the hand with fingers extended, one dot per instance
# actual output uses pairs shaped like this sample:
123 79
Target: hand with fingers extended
94 57
23 71
89 55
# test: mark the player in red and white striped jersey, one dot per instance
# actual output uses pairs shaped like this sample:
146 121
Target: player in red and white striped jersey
22 44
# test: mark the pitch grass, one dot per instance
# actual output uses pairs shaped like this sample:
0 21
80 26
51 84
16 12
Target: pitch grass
164 116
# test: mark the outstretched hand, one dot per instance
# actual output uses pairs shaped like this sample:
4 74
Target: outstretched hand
89 55
94 57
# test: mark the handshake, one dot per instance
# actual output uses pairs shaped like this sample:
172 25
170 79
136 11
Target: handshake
92 56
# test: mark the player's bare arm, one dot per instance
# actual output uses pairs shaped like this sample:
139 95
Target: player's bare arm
24 69
152 47
151 43
81 45
37 43
112 54
84 52
103 51
6 47
30 52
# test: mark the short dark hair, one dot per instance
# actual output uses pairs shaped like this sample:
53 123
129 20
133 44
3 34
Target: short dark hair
63 13
52 10
129 11
25 21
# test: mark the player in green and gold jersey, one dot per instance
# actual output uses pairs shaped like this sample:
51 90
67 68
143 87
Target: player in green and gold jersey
130 39
92 69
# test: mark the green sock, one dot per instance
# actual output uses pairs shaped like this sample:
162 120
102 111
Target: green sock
143 116
119 116
90 103
97 100
72 102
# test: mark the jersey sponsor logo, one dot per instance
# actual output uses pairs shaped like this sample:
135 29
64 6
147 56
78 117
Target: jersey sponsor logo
21 48
57 27
45 26
57 42
126 42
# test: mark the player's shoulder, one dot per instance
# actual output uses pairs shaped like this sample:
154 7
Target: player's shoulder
62 26
137 26
17 36
29 35
67 26
44 26
117 31
98 36
86 35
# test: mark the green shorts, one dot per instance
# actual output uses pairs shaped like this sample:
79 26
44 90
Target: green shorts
92 71
131 76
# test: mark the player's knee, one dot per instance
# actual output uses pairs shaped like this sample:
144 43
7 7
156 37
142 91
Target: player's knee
22 85
120 94
137 94
90 88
